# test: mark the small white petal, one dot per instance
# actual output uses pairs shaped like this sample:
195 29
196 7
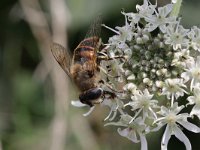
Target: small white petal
87 113
189 126
181 136
131 77
123 132
191 100
164 111
143 142
108 116
165 138
164 11
198 60
159 125
114 115
154 114
78 104
128 133
185 76
195 111
174 1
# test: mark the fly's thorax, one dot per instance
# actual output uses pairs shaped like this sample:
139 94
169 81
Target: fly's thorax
83 54
87 49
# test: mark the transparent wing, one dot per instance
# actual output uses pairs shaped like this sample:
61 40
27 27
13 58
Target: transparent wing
62 56
93 34
90 43
95 28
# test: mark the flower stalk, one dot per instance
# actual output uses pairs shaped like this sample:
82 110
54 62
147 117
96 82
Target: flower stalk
176 8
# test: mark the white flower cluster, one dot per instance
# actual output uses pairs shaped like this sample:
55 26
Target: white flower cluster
161 70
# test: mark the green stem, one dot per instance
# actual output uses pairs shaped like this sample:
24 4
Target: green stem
176 8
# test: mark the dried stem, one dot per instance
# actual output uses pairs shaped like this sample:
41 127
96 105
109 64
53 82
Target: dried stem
41 30
83 133
39 26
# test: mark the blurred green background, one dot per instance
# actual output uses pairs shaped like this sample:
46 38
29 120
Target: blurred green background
35 94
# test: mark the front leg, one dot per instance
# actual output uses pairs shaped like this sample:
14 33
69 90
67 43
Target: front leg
103 56
112 94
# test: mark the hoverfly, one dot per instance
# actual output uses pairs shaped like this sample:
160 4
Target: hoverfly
84 68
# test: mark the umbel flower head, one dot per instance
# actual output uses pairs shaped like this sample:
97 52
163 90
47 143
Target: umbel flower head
161 70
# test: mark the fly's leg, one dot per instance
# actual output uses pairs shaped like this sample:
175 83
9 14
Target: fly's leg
112 94
103 56
110 87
